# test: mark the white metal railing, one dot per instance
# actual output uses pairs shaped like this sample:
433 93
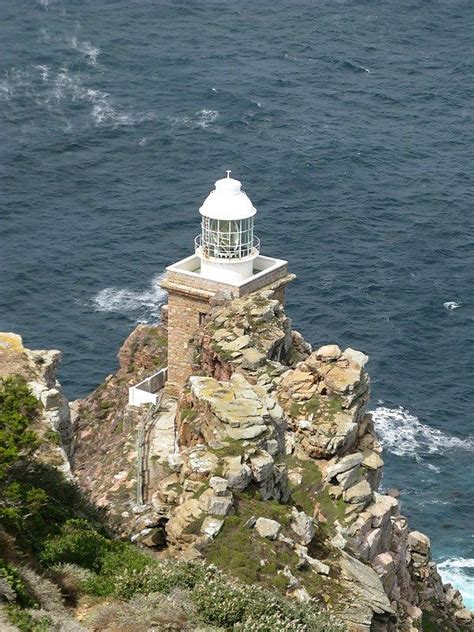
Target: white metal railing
213 251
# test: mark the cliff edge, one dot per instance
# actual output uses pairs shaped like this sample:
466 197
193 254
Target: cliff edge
273 476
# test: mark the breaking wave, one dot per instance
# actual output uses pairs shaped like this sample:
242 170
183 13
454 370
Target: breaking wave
403 434
460 573
450 305
141 306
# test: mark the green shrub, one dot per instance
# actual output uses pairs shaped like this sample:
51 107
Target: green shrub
26 622
78 543
35 498
18 408
38 501
221 602
145 577
13 578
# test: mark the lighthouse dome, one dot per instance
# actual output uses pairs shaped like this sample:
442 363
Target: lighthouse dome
227 201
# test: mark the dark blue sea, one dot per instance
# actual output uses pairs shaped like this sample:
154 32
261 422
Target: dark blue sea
350 125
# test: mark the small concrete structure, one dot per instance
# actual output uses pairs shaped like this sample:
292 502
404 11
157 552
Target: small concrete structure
147 391
227 258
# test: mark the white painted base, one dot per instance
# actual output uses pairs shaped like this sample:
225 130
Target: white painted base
231 272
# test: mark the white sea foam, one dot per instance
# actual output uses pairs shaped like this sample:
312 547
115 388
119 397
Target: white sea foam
140 305
51 87
90 52
460 573
404 435
103 109
450 305
206 117
44 70
202 119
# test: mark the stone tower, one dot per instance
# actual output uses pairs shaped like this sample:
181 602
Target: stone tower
227 257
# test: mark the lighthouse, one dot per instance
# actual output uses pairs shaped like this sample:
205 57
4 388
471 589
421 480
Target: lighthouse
226 257
227 246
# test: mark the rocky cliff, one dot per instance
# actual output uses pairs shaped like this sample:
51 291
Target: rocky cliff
39 369
275 474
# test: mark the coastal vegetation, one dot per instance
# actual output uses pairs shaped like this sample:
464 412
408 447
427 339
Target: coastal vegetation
56 556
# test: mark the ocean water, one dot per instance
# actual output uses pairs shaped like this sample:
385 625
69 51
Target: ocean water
350 125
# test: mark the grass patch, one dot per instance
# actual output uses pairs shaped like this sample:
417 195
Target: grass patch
238 550
231 447
194 528
52 436
304 495
319 407
189 413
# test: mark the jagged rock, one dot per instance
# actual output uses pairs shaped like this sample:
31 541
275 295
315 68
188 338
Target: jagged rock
211 526
272 447
237 474
385 567
182 518
252 358
238 412
220 505
237 344
383 509
203 462
267 528
419 542
191 486
261 466
372 460
359 493
349 478
343 380
326 439
463 616
338 541
250 523
326 353
318 566
369 588
219 485
293 582
39 369
175 462
355 357
303 526
343 465
301 594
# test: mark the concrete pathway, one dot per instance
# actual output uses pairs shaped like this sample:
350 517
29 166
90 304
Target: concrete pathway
161 440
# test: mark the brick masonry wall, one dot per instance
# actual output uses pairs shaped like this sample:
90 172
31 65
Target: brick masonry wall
183 321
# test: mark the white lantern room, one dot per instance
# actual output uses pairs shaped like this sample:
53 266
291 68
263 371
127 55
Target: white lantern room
227 246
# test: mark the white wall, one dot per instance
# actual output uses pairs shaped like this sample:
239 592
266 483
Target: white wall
146 391
227 272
